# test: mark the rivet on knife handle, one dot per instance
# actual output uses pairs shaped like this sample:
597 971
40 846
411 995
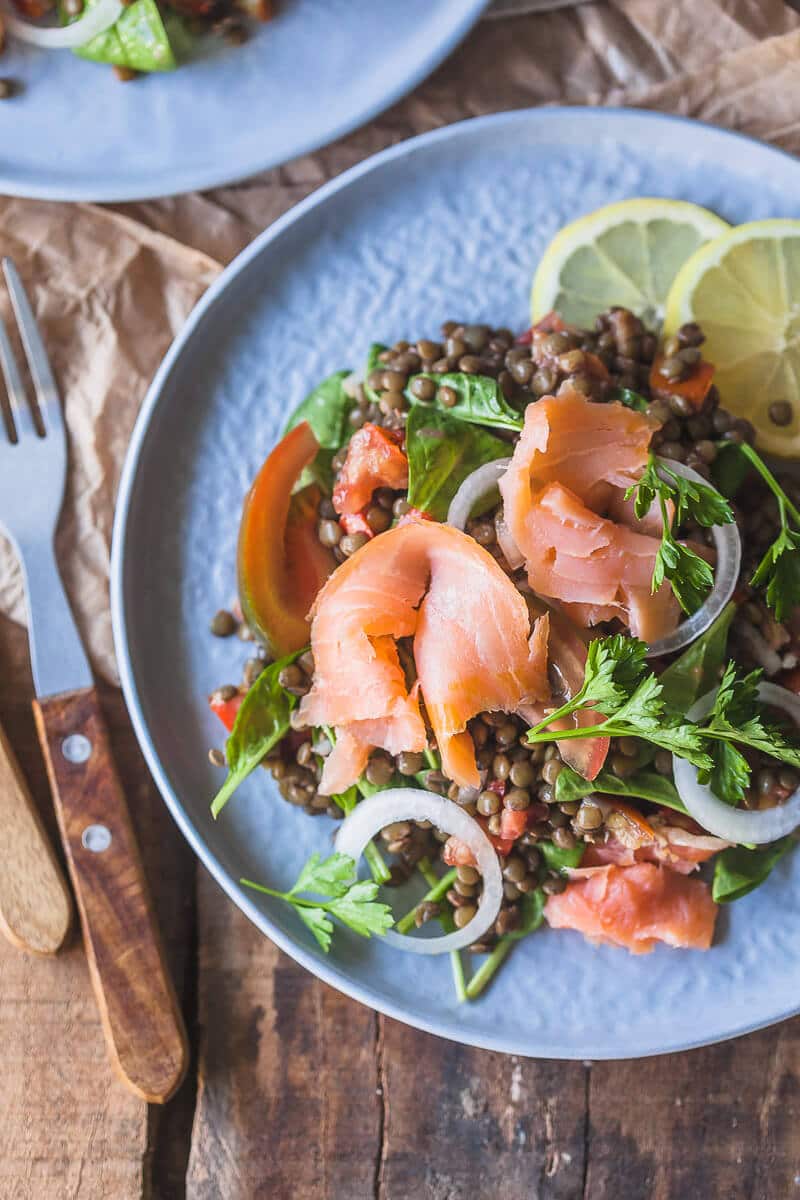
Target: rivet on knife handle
137 1003
35 905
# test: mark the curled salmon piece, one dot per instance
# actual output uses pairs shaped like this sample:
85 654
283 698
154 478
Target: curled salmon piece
570 468
472 641
589 448
635 907
596 568
672 847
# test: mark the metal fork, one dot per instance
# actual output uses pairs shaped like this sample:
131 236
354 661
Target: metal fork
137 1003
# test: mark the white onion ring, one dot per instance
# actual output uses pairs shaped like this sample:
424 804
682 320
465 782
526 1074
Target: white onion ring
474 488
728 545
68 37
737 824
415 804
726 541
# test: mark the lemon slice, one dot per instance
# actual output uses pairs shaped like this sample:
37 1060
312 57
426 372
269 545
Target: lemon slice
627 254
744 289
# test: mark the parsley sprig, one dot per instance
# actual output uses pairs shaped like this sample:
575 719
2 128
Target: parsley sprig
779 570
350 900
619 685
690 575
737 717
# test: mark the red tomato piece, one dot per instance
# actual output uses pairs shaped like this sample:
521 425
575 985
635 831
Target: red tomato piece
694 387
282 563
226 710
374 460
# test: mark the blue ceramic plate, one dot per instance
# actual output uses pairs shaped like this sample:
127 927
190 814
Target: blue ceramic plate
315 72
448 225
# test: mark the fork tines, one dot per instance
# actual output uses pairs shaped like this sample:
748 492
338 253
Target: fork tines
22 413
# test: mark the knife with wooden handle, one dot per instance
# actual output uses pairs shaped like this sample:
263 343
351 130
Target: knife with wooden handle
35 905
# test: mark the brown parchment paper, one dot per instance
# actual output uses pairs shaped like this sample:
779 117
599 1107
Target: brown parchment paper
113 287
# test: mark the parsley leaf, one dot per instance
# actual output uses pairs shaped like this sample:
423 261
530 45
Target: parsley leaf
329 878
350 900
316 920
690 575
729 777
779 569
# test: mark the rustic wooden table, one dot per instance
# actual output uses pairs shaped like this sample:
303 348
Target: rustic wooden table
294 1092
297 1093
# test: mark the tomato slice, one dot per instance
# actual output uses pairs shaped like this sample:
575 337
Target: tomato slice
374 459
282 563
226 710
694 387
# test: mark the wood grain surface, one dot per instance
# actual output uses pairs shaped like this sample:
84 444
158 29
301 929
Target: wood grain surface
135 996
294 1092
35 904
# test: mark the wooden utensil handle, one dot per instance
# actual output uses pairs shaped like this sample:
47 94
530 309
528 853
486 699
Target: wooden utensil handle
142 1022
35 905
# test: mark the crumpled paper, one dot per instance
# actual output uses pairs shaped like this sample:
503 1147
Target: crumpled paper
113 287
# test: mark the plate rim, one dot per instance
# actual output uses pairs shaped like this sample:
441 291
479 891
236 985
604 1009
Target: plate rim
325 970
200 180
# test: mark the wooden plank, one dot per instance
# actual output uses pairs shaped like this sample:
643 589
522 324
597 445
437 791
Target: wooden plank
464 1122
68 1128
287 1106
718 1122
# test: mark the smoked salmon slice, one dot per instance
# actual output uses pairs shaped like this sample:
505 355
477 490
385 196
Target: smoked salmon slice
473 650
579 558
589 448
636 907
569 468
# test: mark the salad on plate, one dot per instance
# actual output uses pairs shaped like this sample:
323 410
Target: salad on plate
132 36
526 605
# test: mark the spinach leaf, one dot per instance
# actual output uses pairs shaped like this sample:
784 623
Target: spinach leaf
644 785
326 409
480 400
698 668
738 871
729 469
630 399
531 907
373 364
558 859
442 451
262 721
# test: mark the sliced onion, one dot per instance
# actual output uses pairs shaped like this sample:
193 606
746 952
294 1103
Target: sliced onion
415 804
738 824
511 551
474 488
728 545
94 21
726 541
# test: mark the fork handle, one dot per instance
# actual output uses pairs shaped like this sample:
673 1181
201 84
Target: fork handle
139 1010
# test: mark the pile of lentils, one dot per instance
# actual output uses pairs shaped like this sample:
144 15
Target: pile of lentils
517 776
619 339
